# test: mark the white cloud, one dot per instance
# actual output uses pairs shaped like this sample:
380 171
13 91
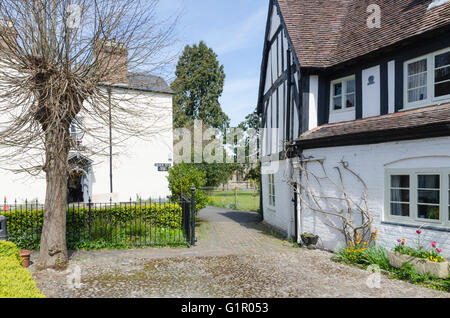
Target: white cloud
240 36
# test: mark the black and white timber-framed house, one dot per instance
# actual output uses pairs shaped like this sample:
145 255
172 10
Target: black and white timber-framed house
340 82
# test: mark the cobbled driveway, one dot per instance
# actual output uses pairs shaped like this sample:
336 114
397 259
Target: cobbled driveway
234 257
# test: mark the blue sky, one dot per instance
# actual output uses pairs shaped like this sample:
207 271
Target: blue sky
234 29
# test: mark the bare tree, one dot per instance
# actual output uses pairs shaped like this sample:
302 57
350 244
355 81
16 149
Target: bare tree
60 59
334 201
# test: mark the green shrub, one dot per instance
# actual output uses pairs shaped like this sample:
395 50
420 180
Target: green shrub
182 177
15 281
376 255
10 249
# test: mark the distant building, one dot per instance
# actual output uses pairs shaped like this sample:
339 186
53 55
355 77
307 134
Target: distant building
138 169
237 182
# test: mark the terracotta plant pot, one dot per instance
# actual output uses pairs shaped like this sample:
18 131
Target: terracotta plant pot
25 258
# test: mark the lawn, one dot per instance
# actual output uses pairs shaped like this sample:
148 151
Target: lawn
236 200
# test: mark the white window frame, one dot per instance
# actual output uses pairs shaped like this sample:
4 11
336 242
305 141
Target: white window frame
413 218
431 98
344 81
272 196
76 130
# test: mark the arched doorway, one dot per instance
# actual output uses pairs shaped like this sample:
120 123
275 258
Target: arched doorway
75 187
79 182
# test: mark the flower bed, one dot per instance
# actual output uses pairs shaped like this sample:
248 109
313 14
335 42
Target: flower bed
424 261
364 255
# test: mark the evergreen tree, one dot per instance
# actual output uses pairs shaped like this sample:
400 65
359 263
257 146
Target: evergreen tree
197 88
252 171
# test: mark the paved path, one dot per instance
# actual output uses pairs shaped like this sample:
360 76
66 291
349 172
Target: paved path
235 257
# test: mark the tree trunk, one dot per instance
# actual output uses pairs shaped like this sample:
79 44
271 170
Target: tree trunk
53 251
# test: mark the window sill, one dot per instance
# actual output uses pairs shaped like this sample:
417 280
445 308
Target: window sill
343 111
426 104
416 226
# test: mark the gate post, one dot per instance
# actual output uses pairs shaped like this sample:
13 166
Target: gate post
3 228
193 215
90 218
185 207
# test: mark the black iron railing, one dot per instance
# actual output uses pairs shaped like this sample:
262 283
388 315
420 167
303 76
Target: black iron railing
107 225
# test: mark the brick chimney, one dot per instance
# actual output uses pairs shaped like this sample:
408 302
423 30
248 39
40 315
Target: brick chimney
113 57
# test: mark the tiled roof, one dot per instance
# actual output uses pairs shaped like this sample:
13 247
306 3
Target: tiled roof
421 117
144 82
148 82
328 32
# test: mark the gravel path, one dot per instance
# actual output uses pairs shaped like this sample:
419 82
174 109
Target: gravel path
234 257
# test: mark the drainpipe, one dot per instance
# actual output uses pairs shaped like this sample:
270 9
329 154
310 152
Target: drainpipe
298 205
261 201
110 143
296 216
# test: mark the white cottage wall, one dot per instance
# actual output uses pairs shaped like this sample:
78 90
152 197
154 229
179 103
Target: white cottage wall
134 171
369 162
281 215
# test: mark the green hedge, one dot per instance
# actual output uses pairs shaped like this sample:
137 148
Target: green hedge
25 227
9 249
15 281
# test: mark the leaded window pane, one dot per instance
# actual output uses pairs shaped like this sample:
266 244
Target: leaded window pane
351 86
418 94
429 182
337 89
442 89
350 101
442 60
400 181
417 67
400 209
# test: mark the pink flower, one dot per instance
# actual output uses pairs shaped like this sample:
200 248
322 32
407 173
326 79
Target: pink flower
399 240
439 250
434 244
419 232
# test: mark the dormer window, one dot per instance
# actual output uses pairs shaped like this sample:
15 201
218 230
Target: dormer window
427 79
442 74
343 94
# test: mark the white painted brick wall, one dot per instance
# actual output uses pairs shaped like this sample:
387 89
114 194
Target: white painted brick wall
282 216
369 162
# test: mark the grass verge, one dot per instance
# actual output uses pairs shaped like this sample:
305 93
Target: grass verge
240 200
